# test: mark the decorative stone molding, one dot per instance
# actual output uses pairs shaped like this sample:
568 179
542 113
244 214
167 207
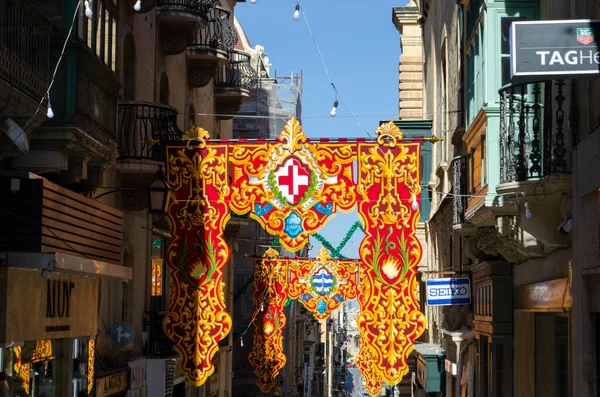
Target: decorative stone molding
200 75
494 243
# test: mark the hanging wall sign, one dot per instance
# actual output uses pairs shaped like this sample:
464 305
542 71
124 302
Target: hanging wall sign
448 291
292 187
543 49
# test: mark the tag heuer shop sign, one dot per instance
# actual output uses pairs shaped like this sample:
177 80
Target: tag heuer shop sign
543 49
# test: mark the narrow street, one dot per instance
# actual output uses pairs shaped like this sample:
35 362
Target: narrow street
299 198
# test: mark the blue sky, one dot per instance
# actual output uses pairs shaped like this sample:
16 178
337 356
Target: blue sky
360 46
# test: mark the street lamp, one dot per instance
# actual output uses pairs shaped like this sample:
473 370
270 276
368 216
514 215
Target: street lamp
158 192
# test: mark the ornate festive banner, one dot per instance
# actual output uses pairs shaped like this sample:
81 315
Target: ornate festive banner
292 187
389 319
269 295
197 212
322 284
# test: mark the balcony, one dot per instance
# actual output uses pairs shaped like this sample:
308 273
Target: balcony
179 19
233 83
24 62
538 124
459 191
144 130
209 49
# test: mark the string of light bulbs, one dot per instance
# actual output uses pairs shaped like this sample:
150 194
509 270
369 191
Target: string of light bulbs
298 12
262 308
50 113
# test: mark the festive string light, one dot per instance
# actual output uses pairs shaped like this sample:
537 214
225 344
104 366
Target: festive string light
88 9
333 112
415 203
138 5
528 213
49 113
242 339
297 13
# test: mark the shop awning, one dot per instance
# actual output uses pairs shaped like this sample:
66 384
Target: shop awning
54 261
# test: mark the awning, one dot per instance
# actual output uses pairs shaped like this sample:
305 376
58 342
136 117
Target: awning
64 263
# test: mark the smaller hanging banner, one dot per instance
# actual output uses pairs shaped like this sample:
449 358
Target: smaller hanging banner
269 297
322 284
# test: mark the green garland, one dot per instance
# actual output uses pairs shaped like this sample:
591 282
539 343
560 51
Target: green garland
337 252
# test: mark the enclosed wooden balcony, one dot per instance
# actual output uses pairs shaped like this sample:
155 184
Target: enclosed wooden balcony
179 20
144 130
209 49
233 83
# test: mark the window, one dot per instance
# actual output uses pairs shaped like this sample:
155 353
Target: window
505 24
100 32
129 60
158 273
164 89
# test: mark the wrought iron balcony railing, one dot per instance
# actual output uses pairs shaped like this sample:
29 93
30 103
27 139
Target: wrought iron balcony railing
24 47
200 7
219 33
537 125
237 73
144 129
459 189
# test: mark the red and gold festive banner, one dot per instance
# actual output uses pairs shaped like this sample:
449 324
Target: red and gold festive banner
292 186
197 212
389 319
322 284
269 295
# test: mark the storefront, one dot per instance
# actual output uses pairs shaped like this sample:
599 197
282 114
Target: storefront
542 339
47 331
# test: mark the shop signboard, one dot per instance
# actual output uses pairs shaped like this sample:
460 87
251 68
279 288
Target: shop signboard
38 308
448 291
111 384
543 49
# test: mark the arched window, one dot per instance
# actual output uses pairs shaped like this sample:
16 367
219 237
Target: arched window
164 89
129 57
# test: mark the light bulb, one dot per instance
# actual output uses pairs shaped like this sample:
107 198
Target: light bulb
297 12
415 203
528 213
88 10
253 1
242 342
50 113
138 5
333 112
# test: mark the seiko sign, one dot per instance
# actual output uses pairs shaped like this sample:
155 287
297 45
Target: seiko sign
550 48
448 291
